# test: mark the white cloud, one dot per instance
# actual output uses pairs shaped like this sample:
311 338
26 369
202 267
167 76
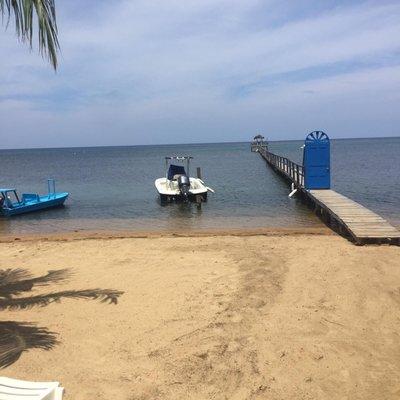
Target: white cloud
170 71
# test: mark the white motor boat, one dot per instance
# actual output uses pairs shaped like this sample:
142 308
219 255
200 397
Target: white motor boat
178 185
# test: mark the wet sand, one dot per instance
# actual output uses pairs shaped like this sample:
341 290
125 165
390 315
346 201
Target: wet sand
262 315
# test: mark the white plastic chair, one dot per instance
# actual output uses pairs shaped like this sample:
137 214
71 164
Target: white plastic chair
14 389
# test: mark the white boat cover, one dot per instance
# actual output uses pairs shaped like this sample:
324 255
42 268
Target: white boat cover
14 389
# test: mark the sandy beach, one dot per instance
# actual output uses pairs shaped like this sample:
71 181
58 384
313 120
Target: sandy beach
256 316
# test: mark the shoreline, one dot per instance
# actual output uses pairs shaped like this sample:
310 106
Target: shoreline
137 234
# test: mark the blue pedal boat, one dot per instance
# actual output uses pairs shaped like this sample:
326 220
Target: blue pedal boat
12 204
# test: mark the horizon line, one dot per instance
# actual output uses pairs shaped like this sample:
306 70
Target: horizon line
183 144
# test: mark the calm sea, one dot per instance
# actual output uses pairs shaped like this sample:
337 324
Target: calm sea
112 188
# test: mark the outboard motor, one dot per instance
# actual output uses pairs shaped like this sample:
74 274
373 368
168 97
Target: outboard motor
184 186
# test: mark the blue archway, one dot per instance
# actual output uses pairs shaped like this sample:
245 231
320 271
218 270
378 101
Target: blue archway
316 161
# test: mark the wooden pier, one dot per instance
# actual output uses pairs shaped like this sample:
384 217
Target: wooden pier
337 211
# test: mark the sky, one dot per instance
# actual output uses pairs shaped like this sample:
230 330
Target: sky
138 72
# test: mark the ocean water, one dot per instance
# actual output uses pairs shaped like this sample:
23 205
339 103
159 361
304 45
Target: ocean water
112 188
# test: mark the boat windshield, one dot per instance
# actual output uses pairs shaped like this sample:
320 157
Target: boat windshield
10 198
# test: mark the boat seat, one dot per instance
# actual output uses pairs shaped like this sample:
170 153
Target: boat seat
29 197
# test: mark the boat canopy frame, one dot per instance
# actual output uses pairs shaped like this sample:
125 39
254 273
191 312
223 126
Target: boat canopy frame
6 201
181 159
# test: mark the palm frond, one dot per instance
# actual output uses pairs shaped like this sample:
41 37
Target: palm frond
12 275
104 295
15 281
17 337
52 276
46 23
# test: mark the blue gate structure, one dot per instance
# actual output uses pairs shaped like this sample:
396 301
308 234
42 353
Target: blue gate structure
316 161
312 181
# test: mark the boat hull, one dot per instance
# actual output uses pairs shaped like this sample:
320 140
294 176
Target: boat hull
170 192
43 203
194 198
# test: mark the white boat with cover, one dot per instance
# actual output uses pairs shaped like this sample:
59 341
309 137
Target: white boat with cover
178 185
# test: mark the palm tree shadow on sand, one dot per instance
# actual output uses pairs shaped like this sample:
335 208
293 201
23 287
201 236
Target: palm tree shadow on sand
17 337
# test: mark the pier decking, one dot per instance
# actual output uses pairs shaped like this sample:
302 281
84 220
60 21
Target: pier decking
362 224
347 216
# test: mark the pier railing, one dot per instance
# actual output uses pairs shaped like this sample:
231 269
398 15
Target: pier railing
257 144
289 169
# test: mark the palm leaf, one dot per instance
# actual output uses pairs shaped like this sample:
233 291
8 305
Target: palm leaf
18 275
46 23
9 276
15 281
104 295
17 337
